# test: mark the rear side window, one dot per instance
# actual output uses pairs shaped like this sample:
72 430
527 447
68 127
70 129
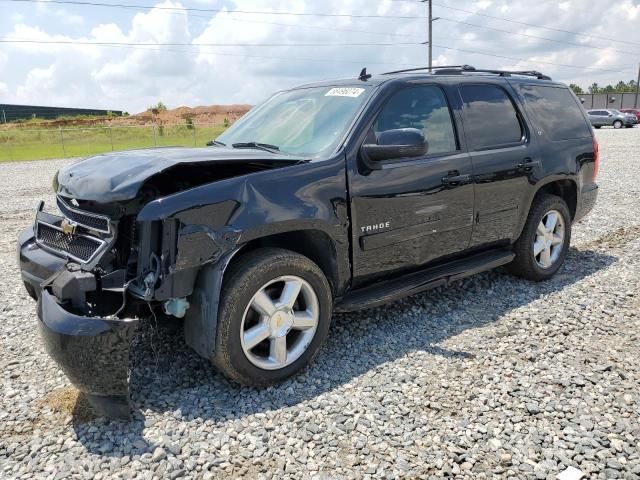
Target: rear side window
491 120
556 112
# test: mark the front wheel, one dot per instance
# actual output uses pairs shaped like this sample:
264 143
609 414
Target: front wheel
274 316
617 124
542 246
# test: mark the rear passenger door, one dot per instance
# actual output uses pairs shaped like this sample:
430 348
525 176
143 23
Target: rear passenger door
502 157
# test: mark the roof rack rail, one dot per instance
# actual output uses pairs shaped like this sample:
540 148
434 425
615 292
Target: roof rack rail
460 69
504 73
463 67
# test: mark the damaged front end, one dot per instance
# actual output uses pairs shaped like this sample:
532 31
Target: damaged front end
115 252
96 270
77 266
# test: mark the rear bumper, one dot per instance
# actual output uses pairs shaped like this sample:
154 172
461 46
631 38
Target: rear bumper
587 200
92 351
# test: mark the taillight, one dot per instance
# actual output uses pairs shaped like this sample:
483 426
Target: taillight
596 159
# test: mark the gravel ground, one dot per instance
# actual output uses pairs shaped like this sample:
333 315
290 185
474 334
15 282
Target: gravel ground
494 377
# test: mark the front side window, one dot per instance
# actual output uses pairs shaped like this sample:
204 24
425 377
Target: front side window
424 108
307 121
491 120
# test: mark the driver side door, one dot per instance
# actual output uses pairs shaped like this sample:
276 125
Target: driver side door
412 211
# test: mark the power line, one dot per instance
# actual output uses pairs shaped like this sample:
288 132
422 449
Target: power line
582 34
536 36
271 57
582 67
181 12
179 44
211 10
134 45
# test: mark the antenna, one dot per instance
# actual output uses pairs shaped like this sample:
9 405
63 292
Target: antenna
364 76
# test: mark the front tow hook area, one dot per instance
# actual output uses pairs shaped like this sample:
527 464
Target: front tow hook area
92 351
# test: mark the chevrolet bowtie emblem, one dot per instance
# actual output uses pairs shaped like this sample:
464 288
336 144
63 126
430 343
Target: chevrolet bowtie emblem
67 227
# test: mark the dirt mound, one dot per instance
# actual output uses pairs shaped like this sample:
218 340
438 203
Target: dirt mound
204 114
201 114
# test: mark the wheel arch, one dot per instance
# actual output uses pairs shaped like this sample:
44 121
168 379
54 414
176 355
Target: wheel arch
314 244
201 321
565 188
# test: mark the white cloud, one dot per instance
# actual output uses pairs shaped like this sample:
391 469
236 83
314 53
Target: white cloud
132 78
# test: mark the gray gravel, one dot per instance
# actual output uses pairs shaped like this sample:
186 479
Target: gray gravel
494 377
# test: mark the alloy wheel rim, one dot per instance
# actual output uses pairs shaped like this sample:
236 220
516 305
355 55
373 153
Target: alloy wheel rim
549 240
279 323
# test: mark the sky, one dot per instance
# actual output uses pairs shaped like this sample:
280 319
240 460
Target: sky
133 77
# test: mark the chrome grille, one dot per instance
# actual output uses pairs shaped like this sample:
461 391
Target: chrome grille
78 247
92 221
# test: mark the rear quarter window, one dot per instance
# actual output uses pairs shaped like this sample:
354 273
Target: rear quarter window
556 112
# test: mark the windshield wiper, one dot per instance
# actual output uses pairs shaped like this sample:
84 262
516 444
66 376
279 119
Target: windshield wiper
261 146
215 142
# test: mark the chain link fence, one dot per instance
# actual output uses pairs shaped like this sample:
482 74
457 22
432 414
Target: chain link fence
20 143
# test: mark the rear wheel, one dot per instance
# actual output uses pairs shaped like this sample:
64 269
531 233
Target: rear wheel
274 316
596 126
617 124
542 246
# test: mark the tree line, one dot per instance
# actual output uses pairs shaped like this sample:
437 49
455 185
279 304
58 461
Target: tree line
620 87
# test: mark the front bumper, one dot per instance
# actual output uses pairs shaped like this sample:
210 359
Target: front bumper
92 351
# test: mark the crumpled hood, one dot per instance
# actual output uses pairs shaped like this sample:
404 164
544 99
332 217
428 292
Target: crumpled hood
118 176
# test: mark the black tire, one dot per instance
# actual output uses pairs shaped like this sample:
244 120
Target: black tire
243 280
525 264
617 124
596 126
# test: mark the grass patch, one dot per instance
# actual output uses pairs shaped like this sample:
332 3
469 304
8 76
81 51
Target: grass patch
68 402
17 144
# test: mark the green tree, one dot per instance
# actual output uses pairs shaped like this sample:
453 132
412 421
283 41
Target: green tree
576 88
158 107
593 88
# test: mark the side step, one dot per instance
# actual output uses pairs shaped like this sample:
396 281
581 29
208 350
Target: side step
389 291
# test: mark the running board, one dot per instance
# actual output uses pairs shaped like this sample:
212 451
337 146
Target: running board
389 291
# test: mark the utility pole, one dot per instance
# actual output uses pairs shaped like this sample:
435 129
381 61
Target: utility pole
430 35
635 103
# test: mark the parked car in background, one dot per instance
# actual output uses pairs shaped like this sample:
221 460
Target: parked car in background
634 111
611 118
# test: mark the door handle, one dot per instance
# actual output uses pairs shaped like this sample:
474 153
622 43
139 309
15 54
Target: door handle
455 179
527 164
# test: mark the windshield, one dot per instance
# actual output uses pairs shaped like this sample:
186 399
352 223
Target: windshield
307 121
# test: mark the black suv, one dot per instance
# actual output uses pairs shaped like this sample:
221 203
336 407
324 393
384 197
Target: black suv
336 195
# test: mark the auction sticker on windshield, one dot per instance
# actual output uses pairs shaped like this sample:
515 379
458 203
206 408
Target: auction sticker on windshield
344 92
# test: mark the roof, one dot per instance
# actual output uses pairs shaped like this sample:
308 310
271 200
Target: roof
438 73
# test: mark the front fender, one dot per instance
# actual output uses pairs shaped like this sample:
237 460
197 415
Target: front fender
202 225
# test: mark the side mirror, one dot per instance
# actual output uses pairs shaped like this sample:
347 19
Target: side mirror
393 144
